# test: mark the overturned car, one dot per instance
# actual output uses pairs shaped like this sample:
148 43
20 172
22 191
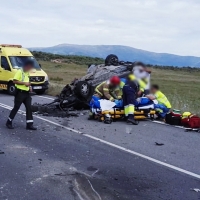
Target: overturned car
78 93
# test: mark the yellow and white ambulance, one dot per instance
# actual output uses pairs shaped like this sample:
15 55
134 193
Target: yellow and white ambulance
12 58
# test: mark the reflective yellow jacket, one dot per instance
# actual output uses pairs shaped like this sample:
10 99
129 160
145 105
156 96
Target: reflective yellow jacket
21 76
104 90
162 99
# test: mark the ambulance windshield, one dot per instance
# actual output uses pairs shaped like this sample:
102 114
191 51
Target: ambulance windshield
18 61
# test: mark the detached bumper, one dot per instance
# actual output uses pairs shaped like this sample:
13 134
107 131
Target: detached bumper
44 86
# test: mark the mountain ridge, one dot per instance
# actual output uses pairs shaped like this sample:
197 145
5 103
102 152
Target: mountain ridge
125 53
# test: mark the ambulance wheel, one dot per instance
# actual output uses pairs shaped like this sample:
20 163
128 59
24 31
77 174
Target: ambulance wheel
11 88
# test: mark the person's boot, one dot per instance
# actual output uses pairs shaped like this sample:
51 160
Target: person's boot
125 118
9 124
91 115
131 120
30 127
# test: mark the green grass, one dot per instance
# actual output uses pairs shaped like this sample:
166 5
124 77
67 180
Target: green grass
56 79
61 74
180 86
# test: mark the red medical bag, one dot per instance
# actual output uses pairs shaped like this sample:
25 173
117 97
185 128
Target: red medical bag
191 121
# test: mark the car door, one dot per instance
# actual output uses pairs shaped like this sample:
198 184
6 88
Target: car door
5 72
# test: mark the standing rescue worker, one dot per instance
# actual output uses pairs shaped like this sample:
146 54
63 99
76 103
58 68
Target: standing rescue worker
142 73
163 106
130 88
23 88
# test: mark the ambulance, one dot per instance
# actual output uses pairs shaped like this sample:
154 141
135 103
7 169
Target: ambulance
12 58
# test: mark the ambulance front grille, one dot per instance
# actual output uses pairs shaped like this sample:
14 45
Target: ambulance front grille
37 79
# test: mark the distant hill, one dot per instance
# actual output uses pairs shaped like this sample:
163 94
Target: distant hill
124 53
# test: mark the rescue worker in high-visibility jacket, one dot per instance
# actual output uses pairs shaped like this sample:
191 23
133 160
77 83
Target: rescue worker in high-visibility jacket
22 95
140 84
130 88
163 106
109 89
142 73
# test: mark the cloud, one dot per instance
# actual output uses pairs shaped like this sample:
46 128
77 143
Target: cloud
156 25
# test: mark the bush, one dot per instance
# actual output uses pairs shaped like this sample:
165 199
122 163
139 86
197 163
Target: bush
56 79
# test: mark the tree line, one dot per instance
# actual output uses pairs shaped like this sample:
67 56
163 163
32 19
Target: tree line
79 60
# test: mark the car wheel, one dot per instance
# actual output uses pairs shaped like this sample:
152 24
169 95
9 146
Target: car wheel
40 92
83 89
11 89
111 60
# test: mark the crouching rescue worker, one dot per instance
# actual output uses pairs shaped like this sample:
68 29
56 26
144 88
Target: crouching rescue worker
108 90
22 95
163 106
130 88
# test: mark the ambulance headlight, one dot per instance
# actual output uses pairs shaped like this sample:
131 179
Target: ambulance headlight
46 78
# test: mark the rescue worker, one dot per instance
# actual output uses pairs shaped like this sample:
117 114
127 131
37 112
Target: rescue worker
163 106
22 95
130 87
109 89
140 84
142 73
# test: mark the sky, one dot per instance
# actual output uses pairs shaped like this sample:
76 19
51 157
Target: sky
170 26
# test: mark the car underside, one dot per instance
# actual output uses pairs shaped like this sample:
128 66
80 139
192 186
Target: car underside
78 93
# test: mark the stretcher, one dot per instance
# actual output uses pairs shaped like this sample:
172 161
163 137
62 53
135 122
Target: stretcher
109 116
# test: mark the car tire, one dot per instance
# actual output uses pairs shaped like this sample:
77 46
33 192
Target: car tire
83 89
111 60
11 88
40 92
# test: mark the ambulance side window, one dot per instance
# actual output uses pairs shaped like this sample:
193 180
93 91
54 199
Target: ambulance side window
4 63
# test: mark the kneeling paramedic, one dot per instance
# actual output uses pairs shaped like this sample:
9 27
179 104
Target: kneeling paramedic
163 106
22 95
130 87
108 90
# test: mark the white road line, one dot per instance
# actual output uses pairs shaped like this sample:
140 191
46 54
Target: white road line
163 123
38 117
44 97
114 145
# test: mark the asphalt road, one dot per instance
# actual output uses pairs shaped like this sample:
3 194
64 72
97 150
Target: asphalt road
76 159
